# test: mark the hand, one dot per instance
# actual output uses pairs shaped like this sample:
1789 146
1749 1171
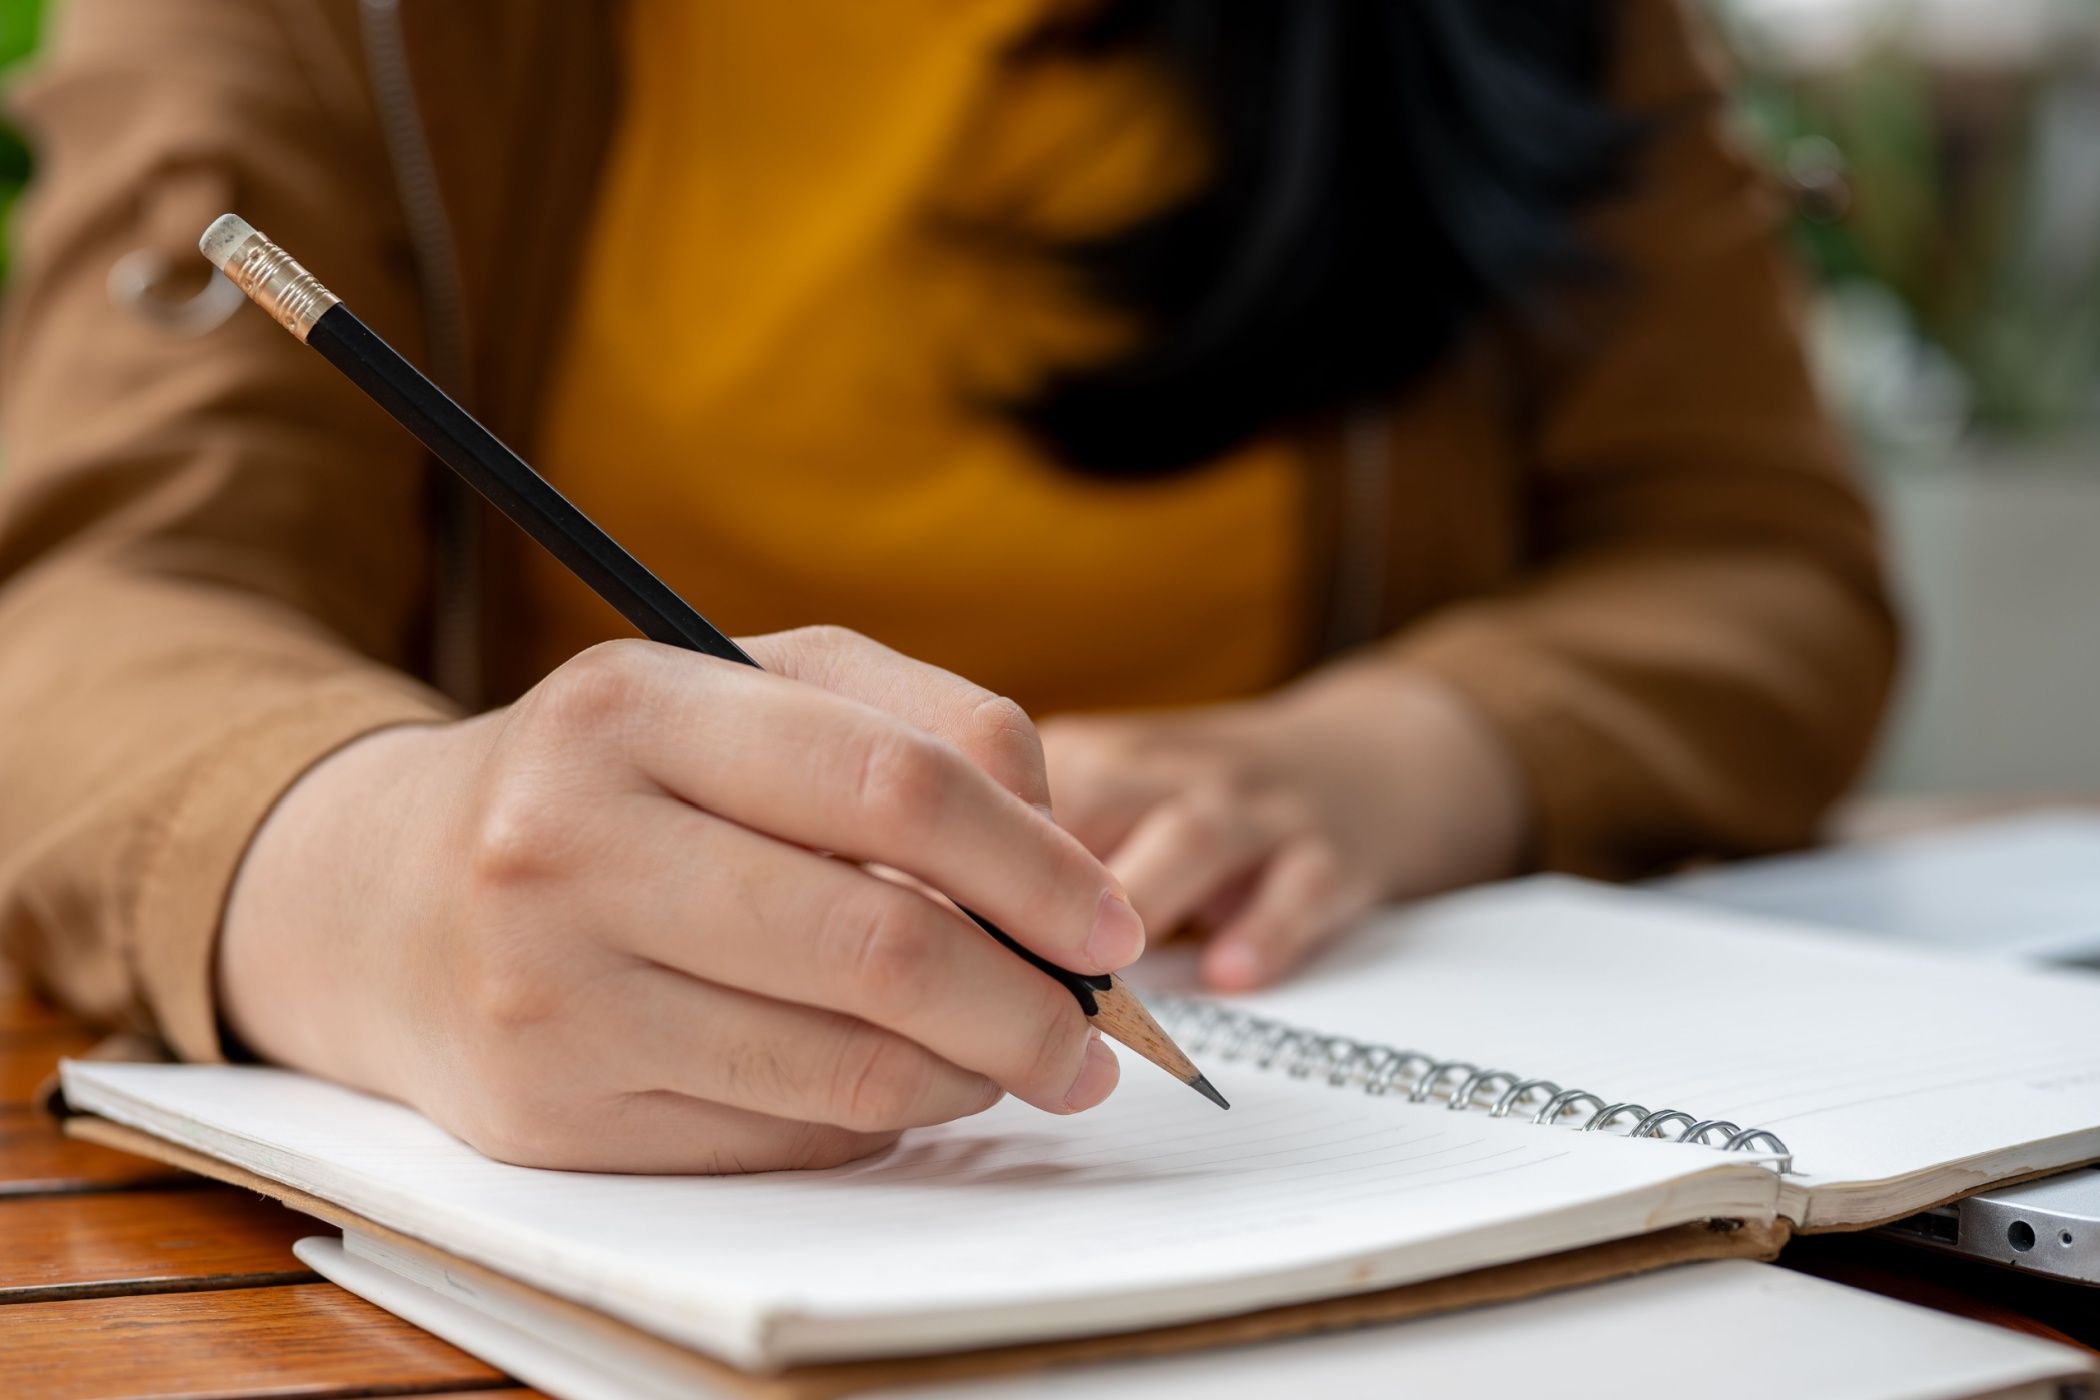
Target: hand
596 930
1274 823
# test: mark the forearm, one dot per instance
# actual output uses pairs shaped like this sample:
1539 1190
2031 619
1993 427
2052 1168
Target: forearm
212 551
326 875
1425 770
146 727
1662 704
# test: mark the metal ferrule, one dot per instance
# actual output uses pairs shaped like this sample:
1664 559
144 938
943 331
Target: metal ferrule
274 280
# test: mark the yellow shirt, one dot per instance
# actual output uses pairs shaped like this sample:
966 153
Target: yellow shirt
767 387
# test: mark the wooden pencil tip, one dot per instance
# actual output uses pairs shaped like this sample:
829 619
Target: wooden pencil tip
1119 1014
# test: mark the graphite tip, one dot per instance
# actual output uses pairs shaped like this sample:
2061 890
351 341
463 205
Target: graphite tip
1203 1086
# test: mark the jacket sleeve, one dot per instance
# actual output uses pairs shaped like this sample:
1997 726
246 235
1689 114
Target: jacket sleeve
1697 657
213 554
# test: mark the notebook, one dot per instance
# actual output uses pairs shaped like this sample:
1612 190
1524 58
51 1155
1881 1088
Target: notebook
1453 1089
1815 1341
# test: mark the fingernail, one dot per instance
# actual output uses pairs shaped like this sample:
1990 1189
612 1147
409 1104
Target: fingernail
1097 1076
1235 966
1119 934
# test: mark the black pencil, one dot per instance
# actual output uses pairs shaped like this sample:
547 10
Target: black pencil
277 283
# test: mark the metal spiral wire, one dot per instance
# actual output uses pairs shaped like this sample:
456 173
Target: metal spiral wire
1229 1034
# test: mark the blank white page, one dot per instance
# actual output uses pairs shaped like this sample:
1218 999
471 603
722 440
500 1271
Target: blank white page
1154 1208
1872 1061
1722 1331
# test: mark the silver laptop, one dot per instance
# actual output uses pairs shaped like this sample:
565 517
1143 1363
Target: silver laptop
2049 1227
2025 888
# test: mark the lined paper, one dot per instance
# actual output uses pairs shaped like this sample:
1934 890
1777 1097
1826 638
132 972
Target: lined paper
1872 1061
1154 1208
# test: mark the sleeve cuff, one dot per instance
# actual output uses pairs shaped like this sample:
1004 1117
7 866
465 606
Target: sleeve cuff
1586 806
221 797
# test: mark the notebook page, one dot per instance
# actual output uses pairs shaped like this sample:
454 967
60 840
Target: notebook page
1727 1330
1154 1208
1872 1061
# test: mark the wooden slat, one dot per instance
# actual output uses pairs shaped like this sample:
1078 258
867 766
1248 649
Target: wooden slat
147 1242
36 1159
308 1339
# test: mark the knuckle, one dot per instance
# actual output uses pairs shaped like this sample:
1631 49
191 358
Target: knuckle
507 992
519 838
818 654
901 779
1001 736
822 654
595 687
827 638
880 1080
895 949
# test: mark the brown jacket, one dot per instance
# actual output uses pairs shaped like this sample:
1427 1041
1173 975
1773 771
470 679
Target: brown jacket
1633 545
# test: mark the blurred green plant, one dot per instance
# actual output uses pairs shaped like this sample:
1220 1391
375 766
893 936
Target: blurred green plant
1949 196
20 23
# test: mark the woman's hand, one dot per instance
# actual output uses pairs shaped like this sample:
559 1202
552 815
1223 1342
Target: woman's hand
1273 823
596 930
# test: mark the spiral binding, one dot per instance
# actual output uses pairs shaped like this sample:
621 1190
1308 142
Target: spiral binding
1229 1034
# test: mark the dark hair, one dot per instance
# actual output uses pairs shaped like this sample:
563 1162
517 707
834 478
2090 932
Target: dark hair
1380 172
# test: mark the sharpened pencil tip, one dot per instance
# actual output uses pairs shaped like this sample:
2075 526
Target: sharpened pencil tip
1203 1087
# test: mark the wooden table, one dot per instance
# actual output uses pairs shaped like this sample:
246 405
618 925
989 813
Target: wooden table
121 1279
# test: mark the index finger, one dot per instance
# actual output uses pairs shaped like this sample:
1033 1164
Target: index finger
822 771
993 731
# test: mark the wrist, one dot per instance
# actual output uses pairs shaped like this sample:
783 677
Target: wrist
336 862
1437 789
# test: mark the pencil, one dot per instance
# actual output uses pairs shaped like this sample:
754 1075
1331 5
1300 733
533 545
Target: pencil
273 280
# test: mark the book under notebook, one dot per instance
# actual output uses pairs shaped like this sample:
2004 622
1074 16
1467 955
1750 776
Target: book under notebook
1890 1079
1815 1341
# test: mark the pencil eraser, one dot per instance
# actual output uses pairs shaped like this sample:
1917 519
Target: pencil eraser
224 238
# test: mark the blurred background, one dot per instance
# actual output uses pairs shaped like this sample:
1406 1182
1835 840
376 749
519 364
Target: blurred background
1943 157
